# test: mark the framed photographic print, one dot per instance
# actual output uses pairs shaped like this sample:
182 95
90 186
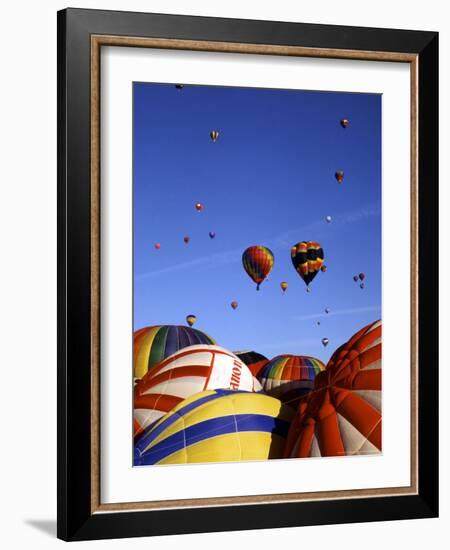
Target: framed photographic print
247 211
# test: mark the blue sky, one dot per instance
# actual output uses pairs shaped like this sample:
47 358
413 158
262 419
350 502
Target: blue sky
268 180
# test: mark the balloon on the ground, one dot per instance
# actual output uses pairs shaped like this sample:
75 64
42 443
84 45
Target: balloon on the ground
217 426
191 319
258 263
342 416
254 360
153 344
214 135
188 371
289 377
307 258
339 175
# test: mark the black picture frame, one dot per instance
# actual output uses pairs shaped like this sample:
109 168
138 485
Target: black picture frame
76 521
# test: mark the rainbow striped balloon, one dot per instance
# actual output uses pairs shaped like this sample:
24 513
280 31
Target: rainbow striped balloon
290 377
153 344
217 426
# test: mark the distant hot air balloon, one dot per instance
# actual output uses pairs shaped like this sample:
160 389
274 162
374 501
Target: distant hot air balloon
323 268
214 135
179 86
325 342
157 246
362 285
345 122
284 286
308 290
362 276
339 175
186 239
327 310
355 278
212 234
343 416
217 426
199 206
190 319
258 262
307 258
318 322
234 305
328 219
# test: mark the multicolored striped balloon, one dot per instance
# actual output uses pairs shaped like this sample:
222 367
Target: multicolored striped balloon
258 262
153 344
217 426
307 258
186 372
290 377
342 416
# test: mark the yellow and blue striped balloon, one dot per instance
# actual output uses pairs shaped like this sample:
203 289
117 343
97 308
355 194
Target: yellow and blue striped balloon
217 426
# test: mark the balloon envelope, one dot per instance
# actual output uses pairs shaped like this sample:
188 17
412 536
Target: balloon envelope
325 342
345 122
188 371
258 262
190 319
342 416
307 258
212 234
254 360
199 206
339 175
214 135
289 377
217 426
153 344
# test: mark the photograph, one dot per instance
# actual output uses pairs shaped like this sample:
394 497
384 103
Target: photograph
257 274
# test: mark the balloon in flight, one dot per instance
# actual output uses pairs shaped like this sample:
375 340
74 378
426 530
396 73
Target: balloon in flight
214 135
339 175
307 258
234 304
344 122
199 206
258 262
284 286
190 319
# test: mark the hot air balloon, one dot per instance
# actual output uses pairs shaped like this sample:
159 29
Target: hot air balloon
199 206
327 310
362 285
186 372
325 342
217 426
355 278
212 234
214 135
328 219
258 262
344 122
289 377
186 239
157 246
323 268
318 322
339 175
153 344
190 319
342 416
179 86
307 258
284 286
234 305
362 276
254 360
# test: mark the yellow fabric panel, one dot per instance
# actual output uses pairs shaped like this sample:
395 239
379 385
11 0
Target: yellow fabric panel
141 365
226 448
